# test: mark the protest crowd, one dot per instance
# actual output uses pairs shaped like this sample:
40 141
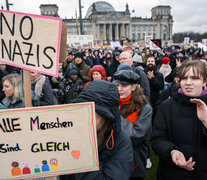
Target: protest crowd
143 98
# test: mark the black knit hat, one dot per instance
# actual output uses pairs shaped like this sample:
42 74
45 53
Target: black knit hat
79 54
126 77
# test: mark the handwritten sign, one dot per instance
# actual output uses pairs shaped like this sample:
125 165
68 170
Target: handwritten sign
47 141
30 42
148 41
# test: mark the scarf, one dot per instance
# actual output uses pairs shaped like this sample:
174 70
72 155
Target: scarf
38 83
132 117
204 92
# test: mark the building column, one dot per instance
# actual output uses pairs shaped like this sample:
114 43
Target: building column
104 32
98 32
110 32
117 32
158 31
94 33
161 32
122 30
170 31
126 31
129 29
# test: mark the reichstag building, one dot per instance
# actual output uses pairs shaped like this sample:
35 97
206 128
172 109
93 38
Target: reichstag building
107 25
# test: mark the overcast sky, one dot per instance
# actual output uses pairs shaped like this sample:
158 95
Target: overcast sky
188 15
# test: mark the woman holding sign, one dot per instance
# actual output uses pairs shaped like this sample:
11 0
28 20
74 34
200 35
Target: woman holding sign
115 149
13 91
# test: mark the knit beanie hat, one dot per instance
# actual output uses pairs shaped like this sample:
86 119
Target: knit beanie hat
72 71
165 60
124 67
79 54
137 58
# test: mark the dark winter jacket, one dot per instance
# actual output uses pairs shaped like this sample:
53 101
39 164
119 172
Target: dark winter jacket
13 103
115 154
172 61
48 96
84 71
177 126
156 84
74 91
113 68
144 83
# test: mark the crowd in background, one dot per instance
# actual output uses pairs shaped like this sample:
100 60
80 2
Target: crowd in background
145 80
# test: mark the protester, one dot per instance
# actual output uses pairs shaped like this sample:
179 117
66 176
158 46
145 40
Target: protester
180 129
13 91
96 58
97 73
65 64
156 82
3 72
73 85
169 53
146 55
107 62
126 58
87 60
42 93
83 69
137 61
165 69
135 118
113 66
115 149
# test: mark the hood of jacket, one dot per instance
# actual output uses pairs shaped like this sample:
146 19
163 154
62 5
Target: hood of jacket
100 69
105 95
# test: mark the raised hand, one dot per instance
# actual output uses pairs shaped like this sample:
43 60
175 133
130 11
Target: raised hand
201 110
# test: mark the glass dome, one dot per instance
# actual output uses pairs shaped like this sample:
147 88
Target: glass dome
101 6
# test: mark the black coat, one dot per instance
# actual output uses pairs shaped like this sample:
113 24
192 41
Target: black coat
49 97
177 126
156 84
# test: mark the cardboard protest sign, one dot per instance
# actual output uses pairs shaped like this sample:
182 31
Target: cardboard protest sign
204 41
186 40
30 42
48 141
148 41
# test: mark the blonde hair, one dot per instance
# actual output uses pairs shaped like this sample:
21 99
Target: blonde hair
15 81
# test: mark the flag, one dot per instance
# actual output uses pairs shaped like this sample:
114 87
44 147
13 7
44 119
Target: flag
153 18
157 43
133 11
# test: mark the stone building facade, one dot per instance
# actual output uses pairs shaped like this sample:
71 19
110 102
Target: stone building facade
107 25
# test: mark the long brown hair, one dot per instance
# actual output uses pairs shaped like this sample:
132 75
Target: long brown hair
136 103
